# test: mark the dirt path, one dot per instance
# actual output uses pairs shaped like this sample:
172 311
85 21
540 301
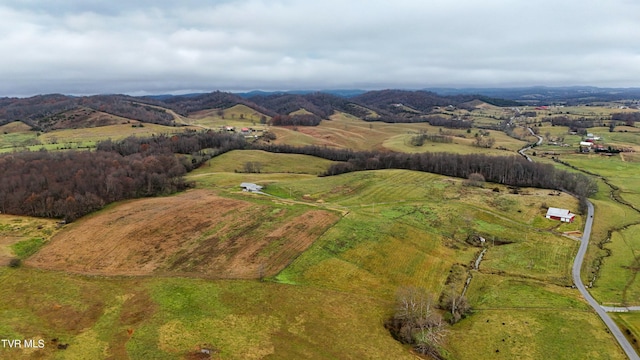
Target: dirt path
5 251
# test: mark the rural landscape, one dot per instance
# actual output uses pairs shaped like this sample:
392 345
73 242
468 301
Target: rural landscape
388 224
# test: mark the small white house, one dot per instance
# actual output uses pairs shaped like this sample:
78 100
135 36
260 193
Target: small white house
585 143
563 215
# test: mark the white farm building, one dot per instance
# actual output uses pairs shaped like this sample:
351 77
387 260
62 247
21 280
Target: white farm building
563 215
251 187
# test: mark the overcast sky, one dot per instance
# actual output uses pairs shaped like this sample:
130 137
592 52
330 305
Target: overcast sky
152 47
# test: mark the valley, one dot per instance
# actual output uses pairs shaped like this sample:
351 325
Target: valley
312 267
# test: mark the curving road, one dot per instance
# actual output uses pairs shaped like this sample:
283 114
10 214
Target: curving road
523 150
577 280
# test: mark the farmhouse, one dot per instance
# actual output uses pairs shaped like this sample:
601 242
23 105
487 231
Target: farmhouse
563 215
251 187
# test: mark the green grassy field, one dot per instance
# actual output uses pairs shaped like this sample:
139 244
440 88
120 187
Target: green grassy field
619 282
79 138
533 334
615 266
235 161
21 236
170 318
20 139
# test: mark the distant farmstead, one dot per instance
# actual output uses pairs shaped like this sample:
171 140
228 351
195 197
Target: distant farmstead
251 187
563 215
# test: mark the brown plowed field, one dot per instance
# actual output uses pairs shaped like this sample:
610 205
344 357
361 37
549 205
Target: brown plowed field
196 233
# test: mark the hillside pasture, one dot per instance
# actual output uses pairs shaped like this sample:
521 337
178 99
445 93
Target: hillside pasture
82 117
541 256
533 334
341 130
403 206
374 256
195 234
347 131
171 318
235 161
238 116
18 140
114 132
398 231
13 127
619 281
519 317
301 111
623 174
229 183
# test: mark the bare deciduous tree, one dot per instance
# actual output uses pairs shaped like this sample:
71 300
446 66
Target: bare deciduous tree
417 322
475 179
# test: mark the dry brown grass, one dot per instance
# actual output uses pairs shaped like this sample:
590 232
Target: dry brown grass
195 234
12 127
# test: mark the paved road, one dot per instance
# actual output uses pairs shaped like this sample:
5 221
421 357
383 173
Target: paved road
523 150
577 280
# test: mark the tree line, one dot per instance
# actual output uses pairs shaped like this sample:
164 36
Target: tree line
296 120
70 184
579 123
508 170
629 118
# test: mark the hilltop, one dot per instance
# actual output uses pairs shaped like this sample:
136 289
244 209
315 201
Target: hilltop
56 111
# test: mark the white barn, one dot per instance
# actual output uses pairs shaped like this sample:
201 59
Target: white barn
563 215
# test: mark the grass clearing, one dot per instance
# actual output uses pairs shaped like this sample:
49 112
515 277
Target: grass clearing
237 116
16 140
460 145
234 161
168 318
16 126
619 281
114 132
21 236
540 256
26 248
489 292
533 334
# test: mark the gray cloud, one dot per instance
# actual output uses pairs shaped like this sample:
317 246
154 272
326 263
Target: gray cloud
83 47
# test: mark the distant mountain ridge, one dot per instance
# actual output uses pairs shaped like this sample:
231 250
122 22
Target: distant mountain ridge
43 111
544 95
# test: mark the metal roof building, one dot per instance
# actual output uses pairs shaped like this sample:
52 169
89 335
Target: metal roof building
251 187
563 215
